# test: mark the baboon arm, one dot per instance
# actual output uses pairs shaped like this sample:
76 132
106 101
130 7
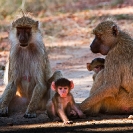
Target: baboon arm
73 105
79 112
106 90
62 115
38 93
48 71
8 94
97 82
7 74
47 67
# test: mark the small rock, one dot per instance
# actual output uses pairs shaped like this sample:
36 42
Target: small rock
130 117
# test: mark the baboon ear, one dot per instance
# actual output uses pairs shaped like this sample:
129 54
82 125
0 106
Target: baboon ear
71 85
115 30
53 86
88 66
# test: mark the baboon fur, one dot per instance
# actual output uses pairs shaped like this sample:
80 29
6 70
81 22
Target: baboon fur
96 65
29 70
112 90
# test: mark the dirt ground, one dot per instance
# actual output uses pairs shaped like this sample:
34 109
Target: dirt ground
72 62
69 52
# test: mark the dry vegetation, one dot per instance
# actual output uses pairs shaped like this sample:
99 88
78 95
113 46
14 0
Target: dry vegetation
67 26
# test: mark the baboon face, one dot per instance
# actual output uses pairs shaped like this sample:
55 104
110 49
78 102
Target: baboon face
23 34
97 46
105 37
24 27
96 65
62 86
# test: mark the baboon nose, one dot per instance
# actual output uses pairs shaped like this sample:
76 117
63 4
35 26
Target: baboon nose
23 42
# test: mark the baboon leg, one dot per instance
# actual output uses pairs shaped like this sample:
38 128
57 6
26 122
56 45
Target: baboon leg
37 95
7 96
98 94
101 94
51 110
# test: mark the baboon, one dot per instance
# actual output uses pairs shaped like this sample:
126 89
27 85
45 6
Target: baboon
29 69
96 65
62 104
112 87
110 105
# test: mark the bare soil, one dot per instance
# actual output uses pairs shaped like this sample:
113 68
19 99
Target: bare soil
72 62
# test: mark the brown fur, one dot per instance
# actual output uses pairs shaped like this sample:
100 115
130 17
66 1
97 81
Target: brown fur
112 89
62 105
28 70
96 65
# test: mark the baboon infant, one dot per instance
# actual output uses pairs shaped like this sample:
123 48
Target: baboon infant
96 65
28 68
112 90
62 104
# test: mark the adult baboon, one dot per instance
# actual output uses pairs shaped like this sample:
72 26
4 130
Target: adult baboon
113 83
29 69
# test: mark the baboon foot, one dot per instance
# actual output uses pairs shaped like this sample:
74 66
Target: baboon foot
30 115
72 114
4 112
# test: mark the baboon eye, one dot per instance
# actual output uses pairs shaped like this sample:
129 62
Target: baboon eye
60 88
28 29
19 30
97 67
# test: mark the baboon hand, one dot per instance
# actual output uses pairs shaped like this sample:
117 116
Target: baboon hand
68 122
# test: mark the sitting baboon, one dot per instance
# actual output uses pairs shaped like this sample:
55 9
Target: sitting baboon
112 87
62 104
96 65
110 105
29 69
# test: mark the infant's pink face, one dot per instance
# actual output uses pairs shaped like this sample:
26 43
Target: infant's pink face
63 91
